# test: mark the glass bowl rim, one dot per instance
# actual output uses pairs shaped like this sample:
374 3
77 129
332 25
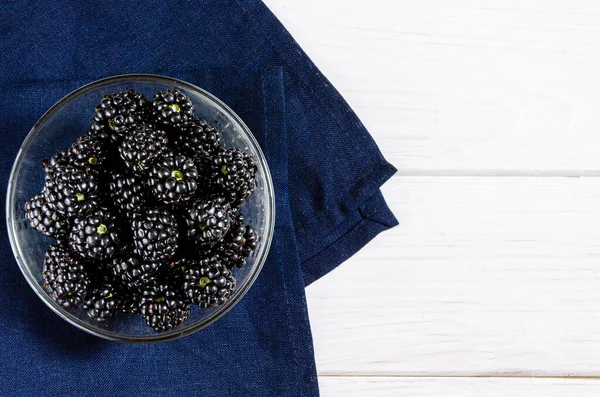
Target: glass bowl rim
158 337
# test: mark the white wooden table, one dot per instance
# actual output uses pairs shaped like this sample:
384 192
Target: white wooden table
491 112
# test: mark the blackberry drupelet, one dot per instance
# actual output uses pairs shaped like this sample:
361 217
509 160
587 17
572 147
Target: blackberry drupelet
66 279
45 219
198 137
71 190
173 179
87 153
133 272
140 149
172 108
96 235
206 222
232 172
119 112
210 284
103 302
163 307
127 193
155 234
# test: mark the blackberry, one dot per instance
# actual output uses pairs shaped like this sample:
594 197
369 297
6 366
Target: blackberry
155 235
127 193
197 137
44 218
163 307
174 272
210 284
71 190
66 279
87 153
103 133
238 244
207 222
232 172
174 179
58 159
134 273
103 302
250 242
96 235
142 147
172 108
119 112
131 302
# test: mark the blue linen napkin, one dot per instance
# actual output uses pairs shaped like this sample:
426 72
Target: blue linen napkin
326 169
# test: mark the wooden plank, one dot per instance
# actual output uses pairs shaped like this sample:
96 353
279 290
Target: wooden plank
458 87
457 387
484 276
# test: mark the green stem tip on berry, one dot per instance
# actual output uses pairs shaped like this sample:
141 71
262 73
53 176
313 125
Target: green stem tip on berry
175 107
102 229
224 170
177 175
80 196
204 281
161 299
93 160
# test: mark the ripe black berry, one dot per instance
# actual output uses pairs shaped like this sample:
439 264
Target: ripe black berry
131 302
155 234
197 137
58 159
87 153
206 222
96 235
66 279
163 307
172 108
173 179
133 272
45 219
210 284
103 302
120 111
127 193
232 172
140 149
239 243
174 271
72 190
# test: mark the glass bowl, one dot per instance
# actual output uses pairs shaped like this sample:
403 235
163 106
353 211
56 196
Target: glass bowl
70 118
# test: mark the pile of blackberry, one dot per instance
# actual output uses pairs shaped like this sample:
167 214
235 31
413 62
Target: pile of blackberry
145 211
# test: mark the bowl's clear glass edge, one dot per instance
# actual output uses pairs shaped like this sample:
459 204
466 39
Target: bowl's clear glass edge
222 310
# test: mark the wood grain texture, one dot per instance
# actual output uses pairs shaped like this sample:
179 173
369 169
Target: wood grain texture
484 276
457 387
459 87
488 273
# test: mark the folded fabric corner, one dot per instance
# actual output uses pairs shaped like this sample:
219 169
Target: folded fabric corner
356 231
